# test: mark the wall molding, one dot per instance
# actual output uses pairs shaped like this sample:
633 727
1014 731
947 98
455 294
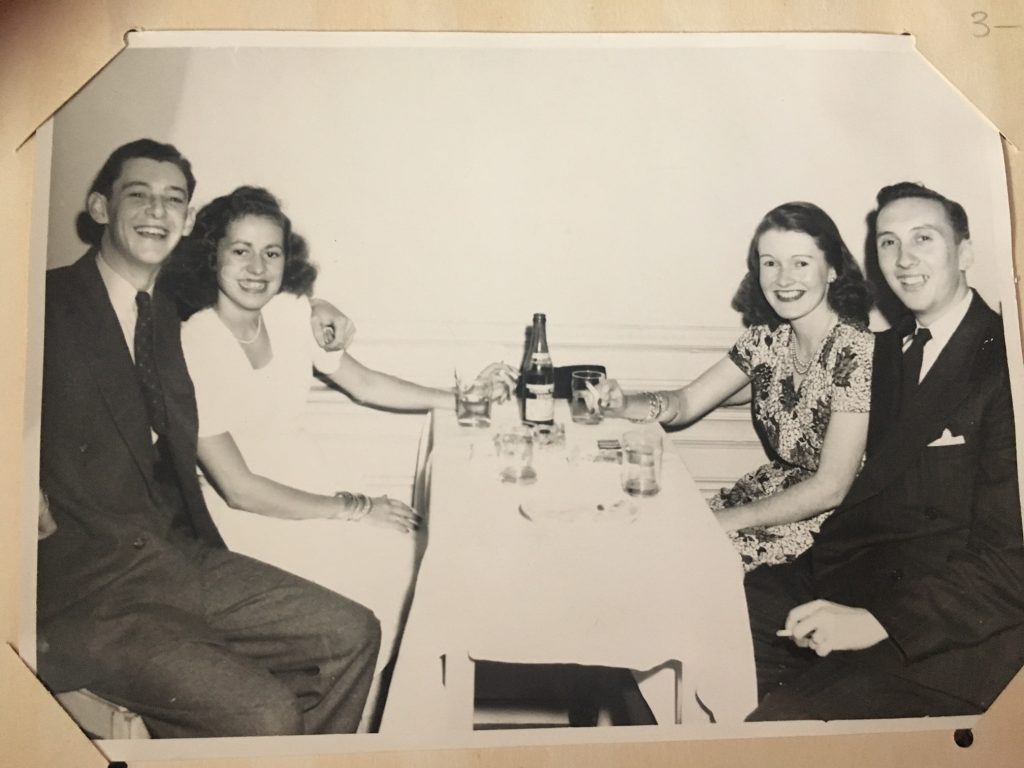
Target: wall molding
684 338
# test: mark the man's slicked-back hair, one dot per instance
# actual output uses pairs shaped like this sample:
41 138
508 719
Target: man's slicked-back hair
141 148
908 189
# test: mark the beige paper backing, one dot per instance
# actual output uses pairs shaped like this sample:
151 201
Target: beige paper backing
49 49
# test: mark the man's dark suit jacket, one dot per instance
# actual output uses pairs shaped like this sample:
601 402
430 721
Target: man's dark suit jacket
123 555
929 538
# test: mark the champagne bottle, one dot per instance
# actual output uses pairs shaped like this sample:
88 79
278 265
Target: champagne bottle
539 377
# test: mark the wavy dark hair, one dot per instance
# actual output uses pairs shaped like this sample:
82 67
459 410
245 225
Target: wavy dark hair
850 295
190 274
90 231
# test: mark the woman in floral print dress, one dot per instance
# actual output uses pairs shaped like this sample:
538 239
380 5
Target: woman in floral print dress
804 363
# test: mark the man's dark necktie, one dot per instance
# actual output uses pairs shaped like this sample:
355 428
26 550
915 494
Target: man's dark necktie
912 362
145 364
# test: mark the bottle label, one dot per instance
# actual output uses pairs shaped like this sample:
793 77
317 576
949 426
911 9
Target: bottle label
539 409
540 405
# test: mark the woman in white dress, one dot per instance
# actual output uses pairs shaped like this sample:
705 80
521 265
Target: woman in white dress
241 283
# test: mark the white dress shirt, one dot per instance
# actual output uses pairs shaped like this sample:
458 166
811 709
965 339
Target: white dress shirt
122 297
941 330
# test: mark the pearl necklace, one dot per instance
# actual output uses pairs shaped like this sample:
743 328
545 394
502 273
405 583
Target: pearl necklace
259 330
799 365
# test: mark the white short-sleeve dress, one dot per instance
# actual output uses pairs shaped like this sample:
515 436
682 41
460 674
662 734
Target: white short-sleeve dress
263 409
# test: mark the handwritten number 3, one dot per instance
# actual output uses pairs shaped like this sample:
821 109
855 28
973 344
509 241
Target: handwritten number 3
980 19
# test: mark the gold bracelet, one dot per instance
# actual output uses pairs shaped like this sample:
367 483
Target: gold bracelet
655 407
662 405
363 505
668 411
346 500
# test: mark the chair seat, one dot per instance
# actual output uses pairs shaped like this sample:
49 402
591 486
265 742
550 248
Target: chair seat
100 718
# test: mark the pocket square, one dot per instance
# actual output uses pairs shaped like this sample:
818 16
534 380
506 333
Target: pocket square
947 438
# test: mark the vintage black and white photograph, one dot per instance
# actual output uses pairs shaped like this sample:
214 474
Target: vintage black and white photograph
442 390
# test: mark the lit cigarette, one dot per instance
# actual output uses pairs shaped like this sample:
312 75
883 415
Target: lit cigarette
783 633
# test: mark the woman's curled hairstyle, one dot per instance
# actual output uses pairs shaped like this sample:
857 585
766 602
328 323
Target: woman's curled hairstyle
190 274
850 295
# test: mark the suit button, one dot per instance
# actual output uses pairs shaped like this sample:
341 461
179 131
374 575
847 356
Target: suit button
931 513
896 574
140 542
83 448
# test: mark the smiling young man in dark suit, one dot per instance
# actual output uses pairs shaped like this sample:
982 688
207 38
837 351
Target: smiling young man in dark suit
911 600
138 599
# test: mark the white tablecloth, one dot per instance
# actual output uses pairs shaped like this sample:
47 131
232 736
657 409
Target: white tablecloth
587 575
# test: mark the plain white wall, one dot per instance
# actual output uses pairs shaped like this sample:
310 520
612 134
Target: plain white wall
608 186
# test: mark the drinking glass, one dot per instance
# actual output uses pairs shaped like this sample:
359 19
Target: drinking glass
515 450
473 403
549 435
582 381
641 462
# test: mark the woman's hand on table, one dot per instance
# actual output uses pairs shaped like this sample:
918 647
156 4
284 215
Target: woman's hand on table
391 513
379 511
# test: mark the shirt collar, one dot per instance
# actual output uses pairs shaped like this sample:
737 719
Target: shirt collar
943 328
121 292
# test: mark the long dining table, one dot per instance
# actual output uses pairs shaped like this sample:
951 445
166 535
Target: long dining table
567 569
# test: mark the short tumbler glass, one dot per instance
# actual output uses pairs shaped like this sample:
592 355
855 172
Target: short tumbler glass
641 462
473 404
514 447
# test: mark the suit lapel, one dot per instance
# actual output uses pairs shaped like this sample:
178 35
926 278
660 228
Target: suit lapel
923 419
110 363
886 381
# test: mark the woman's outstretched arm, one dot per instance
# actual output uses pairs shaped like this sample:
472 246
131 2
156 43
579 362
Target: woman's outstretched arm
373 387
841 454
722 382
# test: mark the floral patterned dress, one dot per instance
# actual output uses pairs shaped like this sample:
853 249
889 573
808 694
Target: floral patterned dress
792 421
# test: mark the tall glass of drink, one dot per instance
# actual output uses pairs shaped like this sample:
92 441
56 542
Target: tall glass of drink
582 383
